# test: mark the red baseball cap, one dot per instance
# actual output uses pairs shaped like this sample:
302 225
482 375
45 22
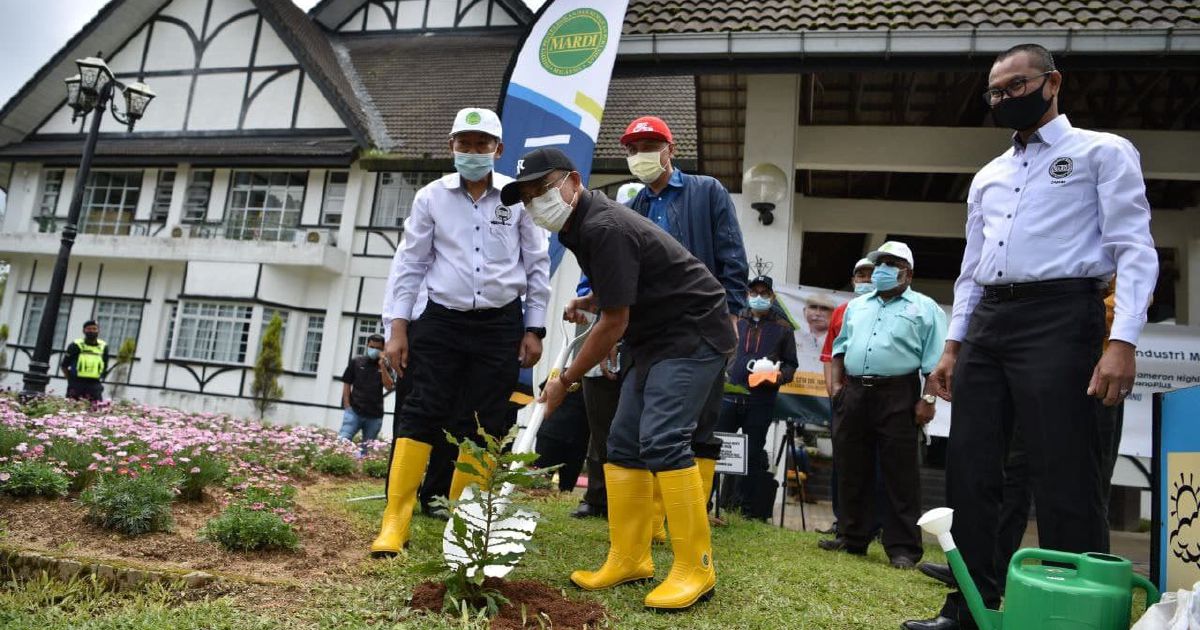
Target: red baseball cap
647 127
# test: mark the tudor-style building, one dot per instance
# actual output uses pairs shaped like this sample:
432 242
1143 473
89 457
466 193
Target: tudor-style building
272 174
275 168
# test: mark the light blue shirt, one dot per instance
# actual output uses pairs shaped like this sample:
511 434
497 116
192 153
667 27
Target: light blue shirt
660 204
1069 204
892 338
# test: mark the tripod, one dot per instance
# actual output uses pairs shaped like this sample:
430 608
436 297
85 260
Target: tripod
787 455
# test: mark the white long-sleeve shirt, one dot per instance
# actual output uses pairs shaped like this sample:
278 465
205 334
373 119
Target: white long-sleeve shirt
1069 204
469 254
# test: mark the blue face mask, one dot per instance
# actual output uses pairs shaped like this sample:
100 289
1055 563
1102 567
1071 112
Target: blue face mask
373 354
886 277
473 167
759 302
863 288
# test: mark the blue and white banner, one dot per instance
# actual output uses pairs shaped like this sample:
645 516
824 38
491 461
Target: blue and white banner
558 83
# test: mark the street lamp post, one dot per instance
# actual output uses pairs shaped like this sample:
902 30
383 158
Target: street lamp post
89 92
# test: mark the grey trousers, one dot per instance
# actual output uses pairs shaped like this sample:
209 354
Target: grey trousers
657 415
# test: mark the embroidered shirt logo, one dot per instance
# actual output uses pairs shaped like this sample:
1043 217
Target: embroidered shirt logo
503 214
1061 167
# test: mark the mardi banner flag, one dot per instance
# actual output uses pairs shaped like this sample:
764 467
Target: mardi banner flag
557 84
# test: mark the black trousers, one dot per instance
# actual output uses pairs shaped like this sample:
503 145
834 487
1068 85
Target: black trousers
563 441
462 360
875 429
752 415
1018 495
85 389
601 396
1025 366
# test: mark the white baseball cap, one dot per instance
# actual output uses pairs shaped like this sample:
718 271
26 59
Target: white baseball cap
477 119
863 262
627 192
892 248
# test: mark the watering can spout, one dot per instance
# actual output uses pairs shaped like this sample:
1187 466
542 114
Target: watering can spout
938 522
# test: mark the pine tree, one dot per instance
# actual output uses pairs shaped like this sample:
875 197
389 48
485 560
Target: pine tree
268 367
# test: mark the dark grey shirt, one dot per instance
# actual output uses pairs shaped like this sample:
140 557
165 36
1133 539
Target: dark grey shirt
674 300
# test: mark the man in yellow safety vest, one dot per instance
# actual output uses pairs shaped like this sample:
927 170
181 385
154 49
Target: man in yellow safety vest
85 364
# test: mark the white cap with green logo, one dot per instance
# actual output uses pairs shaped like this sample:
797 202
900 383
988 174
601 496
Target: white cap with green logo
477 119
628 191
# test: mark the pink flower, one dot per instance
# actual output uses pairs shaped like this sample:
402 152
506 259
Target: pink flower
4 476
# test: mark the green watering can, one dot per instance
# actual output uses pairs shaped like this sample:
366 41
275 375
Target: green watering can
1091 591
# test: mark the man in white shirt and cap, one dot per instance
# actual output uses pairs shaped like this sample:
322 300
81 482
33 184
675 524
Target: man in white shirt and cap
477 257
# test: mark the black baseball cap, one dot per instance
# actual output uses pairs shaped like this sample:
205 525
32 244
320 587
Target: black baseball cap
765 281
533 166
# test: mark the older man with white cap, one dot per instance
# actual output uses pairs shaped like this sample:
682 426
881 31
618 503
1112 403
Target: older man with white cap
889 338
477 257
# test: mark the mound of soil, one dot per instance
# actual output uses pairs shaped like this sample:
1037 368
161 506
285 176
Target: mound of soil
539 600
330 545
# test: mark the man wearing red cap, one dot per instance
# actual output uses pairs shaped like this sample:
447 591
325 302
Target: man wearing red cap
699 213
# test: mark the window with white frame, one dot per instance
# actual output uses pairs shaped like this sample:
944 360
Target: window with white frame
265 205
394 195
118 320
364 327
212 331
109 202
52 182
163 192
313 336
170 331
35 305
195 202
335 197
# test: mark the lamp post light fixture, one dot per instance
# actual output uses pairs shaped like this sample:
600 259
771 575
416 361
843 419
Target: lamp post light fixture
765 186
90 92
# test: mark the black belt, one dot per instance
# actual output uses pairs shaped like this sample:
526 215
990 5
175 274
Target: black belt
1003 292
873 381
479 313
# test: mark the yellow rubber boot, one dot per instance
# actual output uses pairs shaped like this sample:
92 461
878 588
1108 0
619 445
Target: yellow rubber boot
461 480
692 577
409 459
660 517
629 531
708 471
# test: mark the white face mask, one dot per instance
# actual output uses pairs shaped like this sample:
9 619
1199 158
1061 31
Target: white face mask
646 166
548 210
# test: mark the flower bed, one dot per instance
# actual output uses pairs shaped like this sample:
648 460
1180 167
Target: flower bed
247 466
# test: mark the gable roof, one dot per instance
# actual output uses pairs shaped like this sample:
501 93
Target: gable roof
331 13
119 20
645 17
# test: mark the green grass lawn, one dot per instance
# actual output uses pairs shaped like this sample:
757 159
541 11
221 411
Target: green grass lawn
766 578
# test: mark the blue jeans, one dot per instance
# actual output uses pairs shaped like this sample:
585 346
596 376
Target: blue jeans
658 413
352 421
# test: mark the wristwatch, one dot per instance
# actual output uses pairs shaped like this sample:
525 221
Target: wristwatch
929 398
540 332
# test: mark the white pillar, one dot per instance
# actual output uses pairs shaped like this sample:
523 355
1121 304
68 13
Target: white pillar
772 112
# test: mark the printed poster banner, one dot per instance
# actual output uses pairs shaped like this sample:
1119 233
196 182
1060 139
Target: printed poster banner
558 84
1175 553
1168 358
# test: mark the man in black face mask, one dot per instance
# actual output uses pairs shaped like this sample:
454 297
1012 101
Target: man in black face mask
1048 223
85 363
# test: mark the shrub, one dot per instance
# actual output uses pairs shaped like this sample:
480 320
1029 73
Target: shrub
334 464
78 458
202 471
33 479
133 505
284 497
241 529
377 468
9 439
265 389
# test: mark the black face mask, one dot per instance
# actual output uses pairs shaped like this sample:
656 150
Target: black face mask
1021 112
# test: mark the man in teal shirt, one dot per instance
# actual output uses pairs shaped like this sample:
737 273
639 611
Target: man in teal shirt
889 338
